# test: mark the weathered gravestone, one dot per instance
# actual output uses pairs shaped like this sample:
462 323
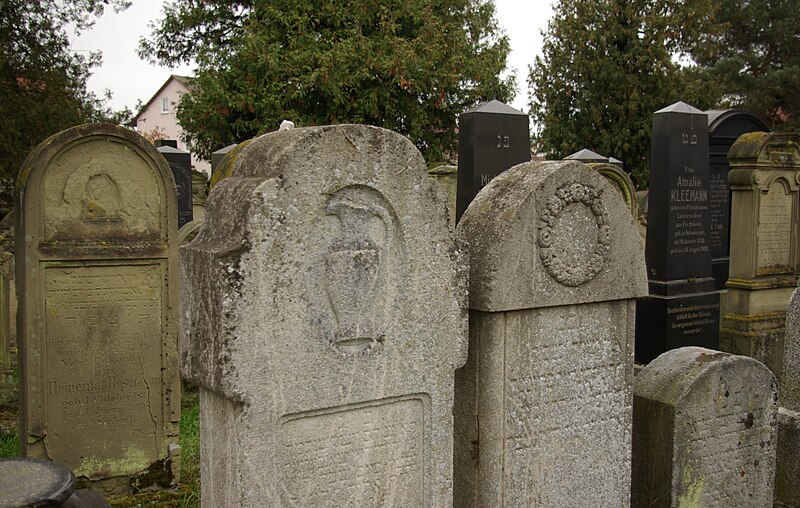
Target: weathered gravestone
787 474
491 138
704 431
683 306
724 128
216 157
765 185
543 405
181 164
446 176
96 266
323 318
620 180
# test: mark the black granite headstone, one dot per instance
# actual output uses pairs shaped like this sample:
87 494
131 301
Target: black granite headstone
724 128
166 142
181 164
683 306
491 138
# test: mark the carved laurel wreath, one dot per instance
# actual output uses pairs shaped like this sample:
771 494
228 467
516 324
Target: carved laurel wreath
569 273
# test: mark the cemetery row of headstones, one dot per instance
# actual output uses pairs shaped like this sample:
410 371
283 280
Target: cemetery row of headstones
331 244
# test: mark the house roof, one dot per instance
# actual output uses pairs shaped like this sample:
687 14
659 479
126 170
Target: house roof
183 80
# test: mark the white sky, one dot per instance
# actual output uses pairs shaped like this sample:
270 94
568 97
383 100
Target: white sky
131 79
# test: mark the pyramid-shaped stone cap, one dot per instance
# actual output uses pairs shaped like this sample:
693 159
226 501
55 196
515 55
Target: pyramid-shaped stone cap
495 107
680 107
586 155
169 149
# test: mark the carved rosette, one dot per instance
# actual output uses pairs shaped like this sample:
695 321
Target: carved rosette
572 266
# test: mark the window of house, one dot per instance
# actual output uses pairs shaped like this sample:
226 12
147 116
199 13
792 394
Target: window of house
165 104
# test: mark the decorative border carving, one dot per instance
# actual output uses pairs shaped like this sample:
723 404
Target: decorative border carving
565 273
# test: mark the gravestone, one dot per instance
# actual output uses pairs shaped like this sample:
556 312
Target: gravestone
181 164
96 268
323 318
8 296
683 306
724 127
226 163
764 181
787 473
216 157
543 405
491 138
704 431
620 180
446 175
586 156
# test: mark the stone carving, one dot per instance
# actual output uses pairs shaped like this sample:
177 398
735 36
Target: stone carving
574 263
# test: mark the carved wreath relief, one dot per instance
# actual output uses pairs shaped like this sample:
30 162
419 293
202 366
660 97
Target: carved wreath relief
359 266
574 235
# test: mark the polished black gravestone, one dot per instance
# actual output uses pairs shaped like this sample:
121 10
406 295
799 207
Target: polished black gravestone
683 306
181 164
724 128
491 138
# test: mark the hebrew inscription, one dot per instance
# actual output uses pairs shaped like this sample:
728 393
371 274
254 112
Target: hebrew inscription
775 230
103 359
372 452
566 390
574 235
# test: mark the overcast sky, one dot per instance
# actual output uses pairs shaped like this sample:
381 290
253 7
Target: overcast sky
131 79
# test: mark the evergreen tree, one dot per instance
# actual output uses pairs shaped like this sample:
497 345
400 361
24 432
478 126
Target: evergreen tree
753 55
43 83
408 65
606 66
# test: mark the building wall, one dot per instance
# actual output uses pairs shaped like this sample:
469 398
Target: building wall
154 116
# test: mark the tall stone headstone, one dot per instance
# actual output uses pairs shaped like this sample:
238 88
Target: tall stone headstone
704 431
543 405
787 474
323 319
491 138
96 264
683 306
724 128
765 189
181 164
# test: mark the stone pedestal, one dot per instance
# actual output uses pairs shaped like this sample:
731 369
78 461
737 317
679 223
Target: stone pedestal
764 180
683 306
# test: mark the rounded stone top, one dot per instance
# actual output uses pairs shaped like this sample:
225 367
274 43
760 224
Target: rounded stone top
33 482
766 148
551 233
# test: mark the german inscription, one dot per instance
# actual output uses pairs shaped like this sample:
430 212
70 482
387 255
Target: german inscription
718 205
775 230
688 200
372 452
103 359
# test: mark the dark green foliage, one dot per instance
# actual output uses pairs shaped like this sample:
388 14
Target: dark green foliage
408 65
606 66
753 56
42 83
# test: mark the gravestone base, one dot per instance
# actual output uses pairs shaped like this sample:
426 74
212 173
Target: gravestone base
719 270
787 468
759 337
678 313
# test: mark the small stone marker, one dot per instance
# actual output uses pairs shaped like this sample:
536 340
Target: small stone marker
323 318
216 157
96 265
181 164
683 306
765 187
543 405
724 128
787 474
704 431
491 138
446 176
31 482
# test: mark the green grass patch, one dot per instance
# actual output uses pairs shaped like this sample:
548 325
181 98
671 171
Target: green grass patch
9 445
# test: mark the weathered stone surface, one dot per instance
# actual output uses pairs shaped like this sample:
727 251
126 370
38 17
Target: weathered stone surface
704 431
323 318
543 405
621 182
446 176
787 476
97 271
30 482
765 185
565 250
